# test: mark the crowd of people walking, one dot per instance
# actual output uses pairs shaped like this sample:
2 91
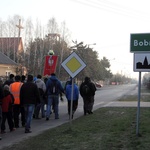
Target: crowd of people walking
23 98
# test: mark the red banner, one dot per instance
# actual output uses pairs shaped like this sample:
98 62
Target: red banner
50 64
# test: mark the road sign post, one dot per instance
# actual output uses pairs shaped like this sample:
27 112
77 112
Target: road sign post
73 65
140 46
138 108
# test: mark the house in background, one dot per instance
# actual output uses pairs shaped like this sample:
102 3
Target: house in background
7 66
12 47
11 52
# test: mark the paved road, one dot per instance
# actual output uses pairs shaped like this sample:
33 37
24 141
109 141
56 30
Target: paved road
39 126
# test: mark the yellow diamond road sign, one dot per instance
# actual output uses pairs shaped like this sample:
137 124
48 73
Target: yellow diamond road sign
73 64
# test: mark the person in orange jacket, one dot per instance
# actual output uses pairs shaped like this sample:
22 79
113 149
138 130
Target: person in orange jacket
17 109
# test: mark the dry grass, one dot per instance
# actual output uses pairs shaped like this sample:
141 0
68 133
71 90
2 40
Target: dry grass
106 129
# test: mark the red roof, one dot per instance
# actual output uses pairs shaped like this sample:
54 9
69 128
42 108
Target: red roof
10 43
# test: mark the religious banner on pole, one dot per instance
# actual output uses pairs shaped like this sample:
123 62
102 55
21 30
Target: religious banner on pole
50 64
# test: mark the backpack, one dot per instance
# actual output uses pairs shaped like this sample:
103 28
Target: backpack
85 89
54 87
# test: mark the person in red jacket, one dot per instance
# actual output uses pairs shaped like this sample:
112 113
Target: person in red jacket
7 113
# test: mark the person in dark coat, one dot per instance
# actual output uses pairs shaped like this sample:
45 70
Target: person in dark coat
53 98
29 97
10 80
88 99
23 78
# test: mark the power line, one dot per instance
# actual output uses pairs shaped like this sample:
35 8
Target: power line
114 45
115 8
121 7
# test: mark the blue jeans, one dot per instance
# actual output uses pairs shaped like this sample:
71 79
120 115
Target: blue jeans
52 100
29 110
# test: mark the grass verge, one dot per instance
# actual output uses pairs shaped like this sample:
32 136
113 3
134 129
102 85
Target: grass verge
145 96
106 129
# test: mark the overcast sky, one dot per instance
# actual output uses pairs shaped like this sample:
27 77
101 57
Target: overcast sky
108 23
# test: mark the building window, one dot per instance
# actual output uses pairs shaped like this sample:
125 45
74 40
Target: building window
7 73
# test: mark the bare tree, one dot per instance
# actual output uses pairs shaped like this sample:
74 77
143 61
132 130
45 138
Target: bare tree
28 37
65 37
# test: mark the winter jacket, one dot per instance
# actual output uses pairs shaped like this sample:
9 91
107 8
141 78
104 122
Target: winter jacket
8 82
29 93
15 90
68 92
41 86
7 101
91 85
49 83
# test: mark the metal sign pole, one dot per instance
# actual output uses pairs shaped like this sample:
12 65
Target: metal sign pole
138 108
73 70
72 89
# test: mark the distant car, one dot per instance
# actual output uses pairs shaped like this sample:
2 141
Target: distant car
98 85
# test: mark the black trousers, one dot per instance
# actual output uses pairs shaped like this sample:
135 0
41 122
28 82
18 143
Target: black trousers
17 109
7 116
74 106
88 102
